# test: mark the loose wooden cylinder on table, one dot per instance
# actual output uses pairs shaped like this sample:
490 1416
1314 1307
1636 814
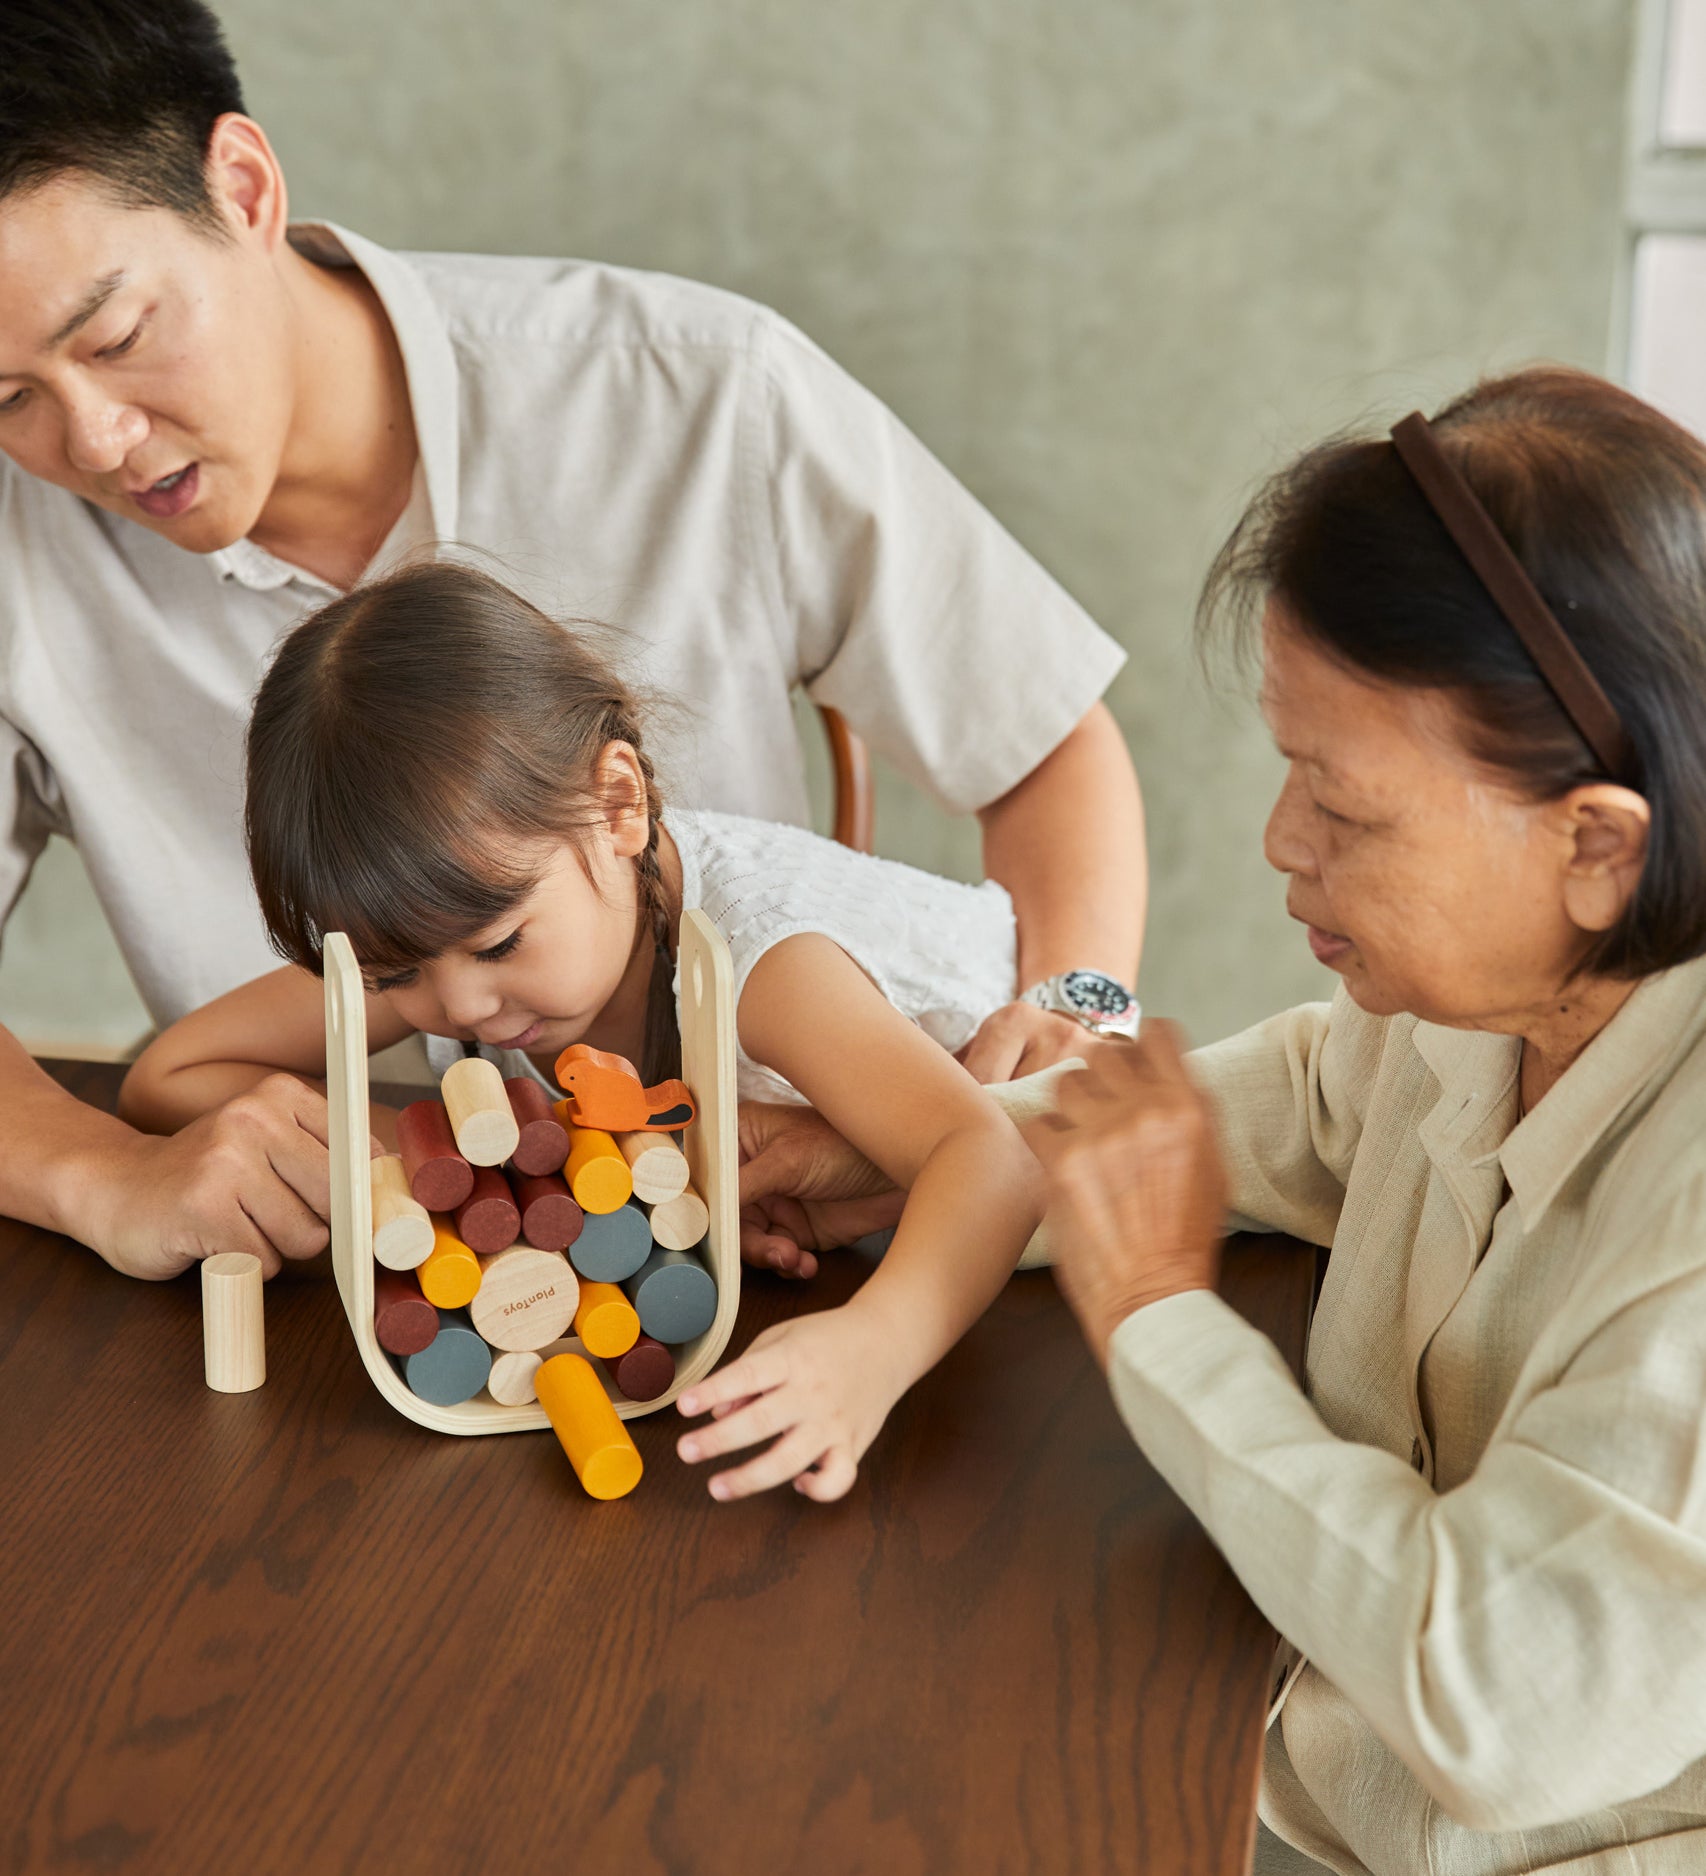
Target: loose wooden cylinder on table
233 1325
452 1367
681 1222
674 1295
439 1177
489 1219
597 1173
543 1145
402 1231
450 1277
605 1458
404 1320
645 1372
550 1218
527 1298
612 1245
658 1165
480 1114
606 1321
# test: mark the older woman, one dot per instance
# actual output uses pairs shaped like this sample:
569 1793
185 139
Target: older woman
1482 1527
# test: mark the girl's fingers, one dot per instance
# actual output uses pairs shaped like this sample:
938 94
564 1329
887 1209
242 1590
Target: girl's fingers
724 1408
757 1371
830 1478
790 1456
767 1415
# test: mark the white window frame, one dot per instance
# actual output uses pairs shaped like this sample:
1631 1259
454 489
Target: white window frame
1665 188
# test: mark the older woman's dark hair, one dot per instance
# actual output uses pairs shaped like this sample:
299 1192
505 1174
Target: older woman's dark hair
1604 501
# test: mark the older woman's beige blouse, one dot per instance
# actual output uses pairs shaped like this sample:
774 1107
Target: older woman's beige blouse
1485 1527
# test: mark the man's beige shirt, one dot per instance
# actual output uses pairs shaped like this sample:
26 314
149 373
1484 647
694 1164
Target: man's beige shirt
1484 1528
671 460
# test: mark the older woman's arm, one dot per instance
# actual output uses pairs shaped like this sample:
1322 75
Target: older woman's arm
1532 1643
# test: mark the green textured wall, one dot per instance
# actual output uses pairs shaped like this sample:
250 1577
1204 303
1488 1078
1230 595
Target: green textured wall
1110 258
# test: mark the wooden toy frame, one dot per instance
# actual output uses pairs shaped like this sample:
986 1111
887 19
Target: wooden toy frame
708 1068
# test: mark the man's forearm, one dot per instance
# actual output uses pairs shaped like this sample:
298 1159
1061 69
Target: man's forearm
1068 845
57 1147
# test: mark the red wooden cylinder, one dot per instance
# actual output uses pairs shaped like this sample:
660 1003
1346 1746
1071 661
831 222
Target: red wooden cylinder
645 1372
550 1218
404 1321
438 1176
488 1219
544 1144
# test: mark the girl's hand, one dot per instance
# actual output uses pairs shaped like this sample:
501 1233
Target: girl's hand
1137 1194
820 1387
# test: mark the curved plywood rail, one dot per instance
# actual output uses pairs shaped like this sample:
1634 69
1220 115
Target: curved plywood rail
708 1068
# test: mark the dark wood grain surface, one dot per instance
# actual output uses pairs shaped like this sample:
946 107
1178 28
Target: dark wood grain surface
289 1631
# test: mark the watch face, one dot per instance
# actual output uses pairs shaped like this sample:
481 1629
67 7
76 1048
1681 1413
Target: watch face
1100 998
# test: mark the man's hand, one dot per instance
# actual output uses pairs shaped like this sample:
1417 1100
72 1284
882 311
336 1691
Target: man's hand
253 1175
1018 1039
804 1189
1137 1191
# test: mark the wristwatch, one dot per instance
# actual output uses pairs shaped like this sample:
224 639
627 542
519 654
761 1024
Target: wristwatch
1101 1003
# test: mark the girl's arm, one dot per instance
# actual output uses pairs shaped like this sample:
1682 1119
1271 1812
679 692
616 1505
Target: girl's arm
825 1383
227 1046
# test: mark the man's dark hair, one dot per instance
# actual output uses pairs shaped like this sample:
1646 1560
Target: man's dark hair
125 91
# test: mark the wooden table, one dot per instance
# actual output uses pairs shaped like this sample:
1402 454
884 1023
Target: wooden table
290 1632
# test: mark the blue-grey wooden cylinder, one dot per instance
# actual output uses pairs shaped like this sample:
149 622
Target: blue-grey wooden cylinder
612 1245
453 1366
674 1294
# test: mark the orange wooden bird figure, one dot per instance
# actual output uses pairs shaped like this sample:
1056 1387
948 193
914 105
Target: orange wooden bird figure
605 1091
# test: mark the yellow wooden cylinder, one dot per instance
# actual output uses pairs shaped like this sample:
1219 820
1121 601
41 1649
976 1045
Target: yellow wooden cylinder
606 1321
598 1175
605 1459
450 1277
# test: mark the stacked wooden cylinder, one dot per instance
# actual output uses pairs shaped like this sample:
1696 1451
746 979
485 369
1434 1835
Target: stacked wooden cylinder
534 1259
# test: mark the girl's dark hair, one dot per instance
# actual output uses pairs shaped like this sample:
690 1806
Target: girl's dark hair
1604 501
405 732
127 91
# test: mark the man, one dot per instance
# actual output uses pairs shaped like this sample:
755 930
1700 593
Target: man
215 422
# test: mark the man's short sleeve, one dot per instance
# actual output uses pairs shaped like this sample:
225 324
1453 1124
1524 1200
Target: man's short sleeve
915 613
30 810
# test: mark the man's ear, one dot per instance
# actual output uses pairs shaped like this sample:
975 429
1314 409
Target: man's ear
1608 827
246 182
620 785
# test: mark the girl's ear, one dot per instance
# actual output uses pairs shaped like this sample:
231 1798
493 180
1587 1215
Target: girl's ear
620 786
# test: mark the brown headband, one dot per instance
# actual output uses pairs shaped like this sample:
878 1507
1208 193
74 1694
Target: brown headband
1496 566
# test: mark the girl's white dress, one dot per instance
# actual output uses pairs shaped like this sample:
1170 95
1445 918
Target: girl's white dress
943 953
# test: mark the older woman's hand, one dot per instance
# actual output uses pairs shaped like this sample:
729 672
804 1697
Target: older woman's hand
1137 1193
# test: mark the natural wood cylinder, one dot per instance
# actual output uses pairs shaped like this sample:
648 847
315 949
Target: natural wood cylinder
681 1222
603 1454
526 1298
658 1165
480 1114
402 1229
233 1326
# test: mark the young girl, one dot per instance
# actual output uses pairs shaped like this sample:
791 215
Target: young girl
460 784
